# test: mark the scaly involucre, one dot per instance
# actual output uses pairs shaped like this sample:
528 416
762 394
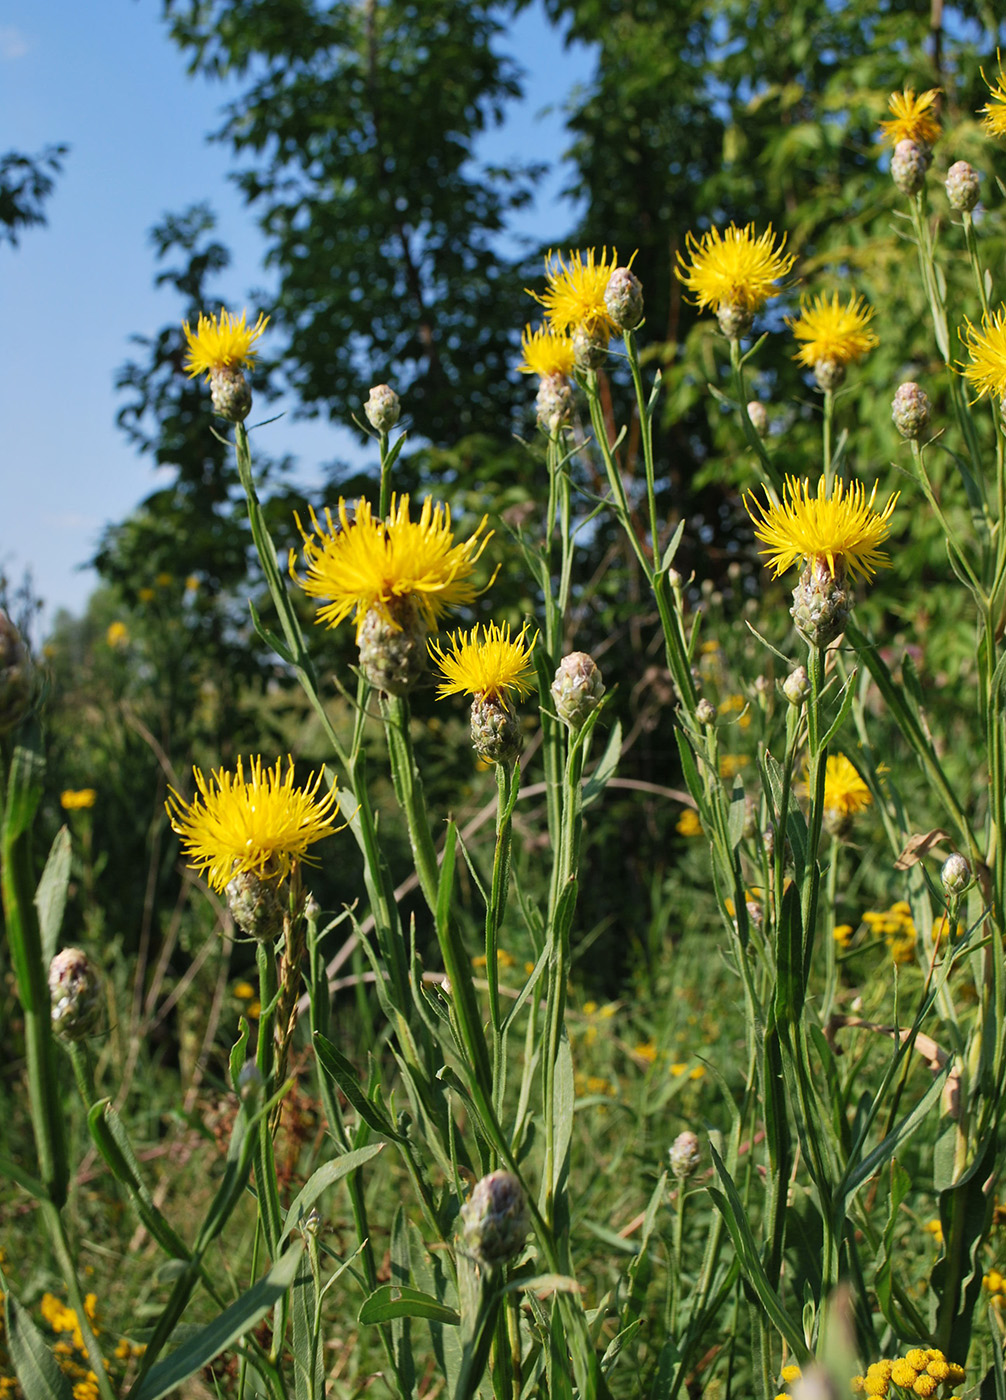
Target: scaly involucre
734 268
987 347
831 331
223 344
914 118
363 563
842 529
260 824
574 293
495 666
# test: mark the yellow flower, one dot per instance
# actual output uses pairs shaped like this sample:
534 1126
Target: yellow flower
146 595
574 293
75 800
244 991
496 666
164 580
261 825
547 352
677 1069
994 112
903 1373
117 634
914 119
934 1228
842 529
688 823
647 1051
845 793
699 1072
734 269
842 934
987 371
790 1373
732 763
192 583
223 344
362 563
833 332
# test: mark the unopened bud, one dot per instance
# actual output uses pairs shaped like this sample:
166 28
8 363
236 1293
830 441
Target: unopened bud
383 408
496 735
796 686
909 165
911 410
685 1154
393 653
829 374
554 404
230 393
674 578
963 186
820 603
256 906
250 1083
495 1219
17 676
758 414
955 875
590 347
623 299
75 994
735 319
705 712
577 688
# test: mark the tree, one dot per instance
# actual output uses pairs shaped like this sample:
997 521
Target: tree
26 182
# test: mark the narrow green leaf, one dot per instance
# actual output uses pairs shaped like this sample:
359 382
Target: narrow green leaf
886 1149
109 1136
605 769
321 1180
334 1063
50 897
393 1300
672 547
34 1364
24 1179
308 1366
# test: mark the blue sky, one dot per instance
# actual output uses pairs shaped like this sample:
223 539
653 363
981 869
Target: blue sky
103 77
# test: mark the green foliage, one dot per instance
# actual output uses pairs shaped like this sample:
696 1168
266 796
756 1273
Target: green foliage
26 182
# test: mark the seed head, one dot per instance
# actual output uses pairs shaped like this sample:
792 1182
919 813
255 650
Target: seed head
383 408
963 186
911 410
75 993
495 1219
590 347
820 604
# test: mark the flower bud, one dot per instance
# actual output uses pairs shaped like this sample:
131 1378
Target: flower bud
829 374
955 875
623 299
256 906
911 410
705 712
230 393
796 686
674 578
75 993
758 414
685 1154
735 319
590 348
495 1219
496 734
393 654
962 186
820 604
554 403
577 688
909 165
250 1084
17 676
383 408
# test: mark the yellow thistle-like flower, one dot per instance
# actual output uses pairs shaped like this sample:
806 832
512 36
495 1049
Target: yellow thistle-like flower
993 114
364 564
117 634
261 825
734 268
987 348
495 666
913 120
547 352
833 332
223 344
842 529
76 800
574 293
845 793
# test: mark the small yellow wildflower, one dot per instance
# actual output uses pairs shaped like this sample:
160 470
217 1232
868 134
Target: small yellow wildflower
934 1228
496 666
254 1010
790 1374
841 530
192 583
688 823
146 595
223 344
858 1383
698 1072
117 634
925 1386
987 348
994 112
547 353
994 1281
736 705
677 1069
574 293
164 580
938 1369
876 1385
362 563
917 1358
903 1373
734 269
732 763
832 332
75 800
842 934
244 991
503 959
647 1051
845 793
261 825
880 1368
913 120
957 1373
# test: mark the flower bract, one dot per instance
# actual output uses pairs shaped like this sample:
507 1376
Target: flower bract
913 118
842 528
361 563
223 344
574 293
845 793
547 352
494 665
260 825
831 331
987 348
734 268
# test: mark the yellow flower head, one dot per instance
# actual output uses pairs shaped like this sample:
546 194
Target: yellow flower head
495 667
994 112
223 344
117 634
734 269
574 293
791 1373
831 331
547 352
75 800
913 120
903 1373
688 823
987 348
845 793
363 563
842 529
260 825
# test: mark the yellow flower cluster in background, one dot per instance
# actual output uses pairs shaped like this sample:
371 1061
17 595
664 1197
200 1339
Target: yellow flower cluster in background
920 1371
77 799
896 927
688 823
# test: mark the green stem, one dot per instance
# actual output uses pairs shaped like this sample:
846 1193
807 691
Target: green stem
61 1249
827 427
766 467
508 784
409 791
